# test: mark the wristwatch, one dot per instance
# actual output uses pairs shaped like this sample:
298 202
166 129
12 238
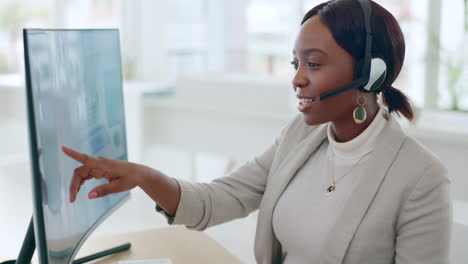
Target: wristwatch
170 218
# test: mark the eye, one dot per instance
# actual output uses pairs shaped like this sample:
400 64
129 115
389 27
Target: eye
295 64
313 65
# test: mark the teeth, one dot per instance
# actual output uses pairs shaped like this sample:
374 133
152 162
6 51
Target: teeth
305 100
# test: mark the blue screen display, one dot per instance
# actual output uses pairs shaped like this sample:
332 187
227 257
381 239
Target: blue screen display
75 82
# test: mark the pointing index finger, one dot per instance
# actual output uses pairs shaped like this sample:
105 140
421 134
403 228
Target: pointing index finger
81 157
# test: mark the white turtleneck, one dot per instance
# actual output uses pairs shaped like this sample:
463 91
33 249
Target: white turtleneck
304 215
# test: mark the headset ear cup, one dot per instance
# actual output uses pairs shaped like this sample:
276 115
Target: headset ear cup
379 81
377 74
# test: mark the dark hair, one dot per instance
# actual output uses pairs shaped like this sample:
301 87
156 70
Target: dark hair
345 20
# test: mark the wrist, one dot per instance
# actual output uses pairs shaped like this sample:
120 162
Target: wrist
148 176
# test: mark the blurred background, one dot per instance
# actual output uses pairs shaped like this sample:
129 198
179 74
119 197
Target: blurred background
208 86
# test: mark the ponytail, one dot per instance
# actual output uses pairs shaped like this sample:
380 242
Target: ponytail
395 100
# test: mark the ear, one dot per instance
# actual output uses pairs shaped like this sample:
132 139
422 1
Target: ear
378 71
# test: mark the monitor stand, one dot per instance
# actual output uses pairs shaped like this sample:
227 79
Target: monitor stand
29 245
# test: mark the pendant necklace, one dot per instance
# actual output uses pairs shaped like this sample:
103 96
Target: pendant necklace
331 188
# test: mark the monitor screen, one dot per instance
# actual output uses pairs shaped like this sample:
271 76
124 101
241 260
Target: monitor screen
74 98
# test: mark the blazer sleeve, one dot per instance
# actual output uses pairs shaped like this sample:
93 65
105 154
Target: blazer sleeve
234 196
425 222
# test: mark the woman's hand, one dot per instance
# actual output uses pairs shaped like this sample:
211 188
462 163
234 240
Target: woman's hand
122 175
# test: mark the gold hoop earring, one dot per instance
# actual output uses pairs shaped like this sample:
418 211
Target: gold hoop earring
359 113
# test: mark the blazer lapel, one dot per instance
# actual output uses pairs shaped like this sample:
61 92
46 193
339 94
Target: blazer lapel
378 164
294 160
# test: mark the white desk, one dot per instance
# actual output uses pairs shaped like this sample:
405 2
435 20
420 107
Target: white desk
176 243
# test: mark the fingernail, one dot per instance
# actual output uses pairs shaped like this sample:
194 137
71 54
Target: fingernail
72 193
92 195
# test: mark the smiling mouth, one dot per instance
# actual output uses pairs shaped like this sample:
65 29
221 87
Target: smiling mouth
305 103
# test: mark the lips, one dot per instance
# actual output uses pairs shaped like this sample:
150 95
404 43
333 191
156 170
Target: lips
304 106
305 102
304 97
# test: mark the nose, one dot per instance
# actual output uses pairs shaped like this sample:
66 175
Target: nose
300 79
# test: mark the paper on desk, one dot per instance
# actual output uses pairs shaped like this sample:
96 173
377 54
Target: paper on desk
147 261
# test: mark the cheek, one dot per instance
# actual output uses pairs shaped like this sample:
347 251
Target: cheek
327 80
333 77
332 108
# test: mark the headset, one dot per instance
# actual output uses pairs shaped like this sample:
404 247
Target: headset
370 72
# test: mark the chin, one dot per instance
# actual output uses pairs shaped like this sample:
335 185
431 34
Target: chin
311 120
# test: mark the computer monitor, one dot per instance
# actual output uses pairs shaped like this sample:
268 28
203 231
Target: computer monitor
74 98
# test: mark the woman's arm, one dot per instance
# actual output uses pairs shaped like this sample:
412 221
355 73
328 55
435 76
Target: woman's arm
236 195
424 225
195 205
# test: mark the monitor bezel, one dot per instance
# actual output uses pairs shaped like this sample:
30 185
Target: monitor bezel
38 210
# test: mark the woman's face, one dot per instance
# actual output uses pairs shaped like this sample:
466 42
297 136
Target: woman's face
322 66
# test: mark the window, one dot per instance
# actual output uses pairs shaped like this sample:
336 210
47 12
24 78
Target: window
14 15
432 75
452 90
18 14
271 28
163 40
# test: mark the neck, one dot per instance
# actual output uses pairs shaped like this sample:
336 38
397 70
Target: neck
346 129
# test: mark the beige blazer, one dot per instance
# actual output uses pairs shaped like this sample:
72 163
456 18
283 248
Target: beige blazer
401 211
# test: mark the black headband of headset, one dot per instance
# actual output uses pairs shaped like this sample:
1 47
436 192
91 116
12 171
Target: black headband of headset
364 75
366 10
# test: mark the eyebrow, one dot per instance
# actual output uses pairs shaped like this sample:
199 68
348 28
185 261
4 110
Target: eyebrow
307 51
